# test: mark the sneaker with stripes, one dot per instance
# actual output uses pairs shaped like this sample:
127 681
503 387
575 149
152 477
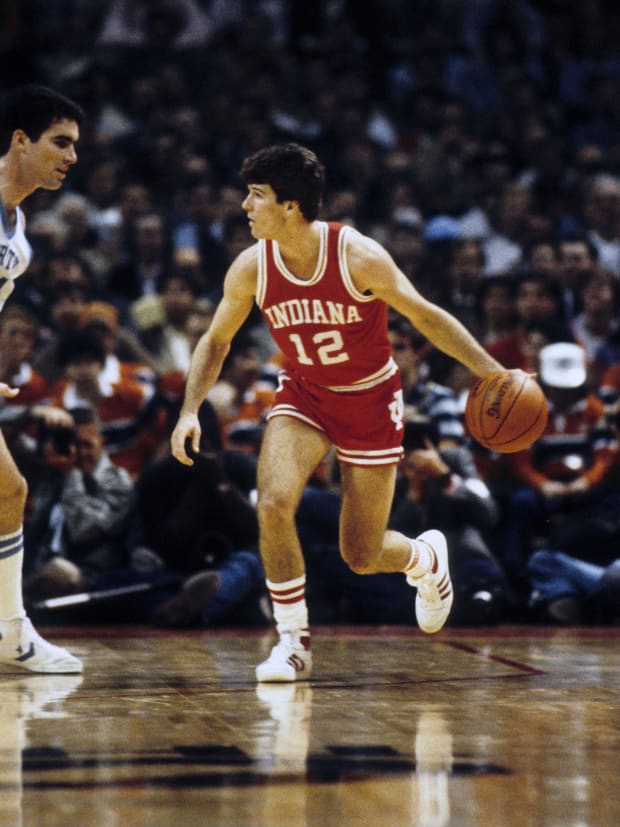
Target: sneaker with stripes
290 659
23 647
435 596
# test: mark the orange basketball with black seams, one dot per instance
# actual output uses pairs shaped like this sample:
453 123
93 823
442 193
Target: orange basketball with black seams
506 411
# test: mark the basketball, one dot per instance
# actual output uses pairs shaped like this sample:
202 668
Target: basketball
506 411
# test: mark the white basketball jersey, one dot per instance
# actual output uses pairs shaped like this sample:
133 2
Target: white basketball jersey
15 253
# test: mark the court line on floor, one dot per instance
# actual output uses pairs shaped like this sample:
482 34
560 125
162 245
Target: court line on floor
513 664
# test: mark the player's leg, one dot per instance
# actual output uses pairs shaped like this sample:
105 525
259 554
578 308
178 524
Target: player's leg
365 545
368 548
290 452
20 644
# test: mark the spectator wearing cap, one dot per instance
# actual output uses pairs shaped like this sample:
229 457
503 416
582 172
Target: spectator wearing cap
441 232
568 470
441 228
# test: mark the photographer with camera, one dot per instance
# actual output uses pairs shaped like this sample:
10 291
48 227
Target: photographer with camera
80 505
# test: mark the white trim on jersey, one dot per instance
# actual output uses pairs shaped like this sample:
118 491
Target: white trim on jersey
388 370
290 410
321 263
389 456
261 280
343 239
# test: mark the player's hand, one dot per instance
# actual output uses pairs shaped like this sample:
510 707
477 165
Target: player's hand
7 391
520 372
187 428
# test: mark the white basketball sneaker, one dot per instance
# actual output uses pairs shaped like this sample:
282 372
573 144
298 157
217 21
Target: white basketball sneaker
435 596
22 646
290 659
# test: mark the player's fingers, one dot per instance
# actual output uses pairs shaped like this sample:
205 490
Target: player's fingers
177 444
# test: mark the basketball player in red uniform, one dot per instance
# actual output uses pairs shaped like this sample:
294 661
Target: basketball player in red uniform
324 290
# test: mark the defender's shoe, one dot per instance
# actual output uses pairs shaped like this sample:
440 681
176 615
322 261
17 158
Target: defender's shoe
22 646
435 596
290 659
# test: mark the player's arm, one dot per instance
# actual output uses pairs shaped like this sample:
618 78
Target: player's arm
212 348
374 270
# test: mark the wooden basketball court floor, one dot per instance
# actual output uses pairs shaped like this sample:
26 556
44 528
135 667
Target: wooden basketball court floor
491 727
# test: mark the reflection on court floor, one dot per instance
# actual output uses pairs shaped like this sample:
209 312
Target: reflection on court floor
501 727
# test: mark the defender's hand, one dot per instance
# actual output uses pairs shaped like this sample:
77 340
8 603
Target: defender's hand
187 428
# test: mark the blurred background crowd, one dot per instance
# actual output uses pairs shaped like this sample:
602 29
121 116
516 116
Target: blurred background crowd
478 140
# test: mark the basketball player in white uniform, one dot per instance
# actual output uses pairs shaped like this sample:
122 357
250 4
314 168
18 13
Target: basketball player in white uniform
39 130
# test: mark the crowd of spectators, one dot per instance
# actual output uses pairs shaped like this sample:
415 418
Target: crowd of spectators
478 141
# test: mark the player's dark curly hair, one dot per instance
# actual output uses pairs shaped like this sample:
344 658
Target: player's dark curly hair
34 109
292 171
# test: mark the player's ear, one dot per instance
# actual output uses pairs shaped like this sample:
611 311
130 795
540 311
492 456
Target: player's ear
20 140
291 206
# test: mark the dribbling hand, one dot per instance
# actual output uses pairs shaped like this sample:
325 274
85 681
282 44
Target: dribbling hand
186 436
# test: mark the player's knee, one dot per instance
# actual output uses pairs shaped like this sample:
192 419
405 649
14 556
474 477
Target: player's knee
273 507
359 559
14 490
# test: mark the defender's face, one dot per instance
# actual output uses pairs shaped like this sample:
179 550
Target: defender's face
265 214
47 161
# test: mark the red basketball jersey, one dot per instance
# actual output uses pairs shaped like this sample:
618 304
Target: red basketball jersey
330 333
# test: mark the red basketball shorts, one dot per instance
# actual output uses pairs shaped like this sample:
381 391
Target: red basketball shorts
365 426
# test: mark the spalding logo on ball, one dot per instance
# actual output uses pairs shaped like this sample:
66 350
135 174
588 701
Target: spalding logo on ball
506 411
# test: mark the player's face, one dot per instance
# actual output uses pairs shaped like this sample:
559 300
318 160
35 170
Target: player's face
47 161
265 214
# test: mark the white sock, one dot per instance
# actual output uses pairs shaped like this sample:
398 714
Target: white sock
11 562
290 611
420 561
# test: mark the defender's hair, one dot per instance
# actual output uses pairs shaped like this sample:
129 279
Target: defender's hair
292 171
34 109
